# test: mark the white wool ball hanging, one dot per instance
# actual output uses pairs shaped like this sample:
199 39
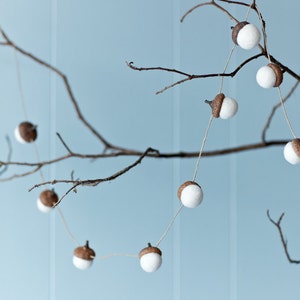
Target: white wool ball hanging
223 107
269 76
47 200
150 258
246 35
83 257
25 132
190 194
291 151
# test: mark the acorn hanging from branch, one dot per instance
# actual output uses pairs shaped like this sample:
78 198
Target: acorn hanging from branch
223 107
26 132
269 76
190 194
291 152
83 256
245 35
47 200
150 258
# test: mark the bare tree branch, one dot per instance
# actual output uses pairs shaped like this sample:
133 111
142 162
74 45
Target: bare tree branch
283 240
114 151
264 50
110 150
94 182
213 3
193 76
65 80
9 155
36 166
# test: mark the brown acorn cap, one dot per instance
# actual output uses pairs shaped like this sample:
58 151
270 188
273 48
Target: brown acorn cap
149 249
48 198
184 185
278 73
236 29
216 104
85 252
296 146
28 131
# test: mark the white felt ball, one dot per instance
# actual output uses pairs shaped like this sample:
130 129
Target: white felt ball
150 262
191 196
229 108
81 263
248 37
266 77
290 155
42 207
18 136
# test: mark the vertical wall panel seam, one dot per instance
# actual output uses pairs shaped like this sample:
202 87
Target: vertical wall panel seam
176 147
233 193
52 117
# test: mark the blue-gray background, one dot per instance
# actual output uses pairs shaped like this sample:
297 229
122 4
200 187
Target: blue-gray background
225 249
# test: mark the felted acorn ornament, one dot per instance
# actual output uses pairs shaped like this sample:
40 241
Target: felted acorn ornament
150 258
190 194
291 151
246 35
223 107
269 76
47 200
26 132
83 256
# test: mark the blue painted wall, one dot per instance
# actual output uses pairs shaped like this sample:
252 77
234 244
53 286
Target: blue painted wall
225 249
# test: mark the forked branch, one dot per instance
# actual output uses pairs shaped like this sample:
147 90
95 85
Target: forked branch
94 182
283 240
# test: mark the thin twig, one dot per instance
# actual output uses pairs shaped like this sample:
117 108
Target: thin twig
283 240
15 176
193 76
212 3
272 113
64 143
9 155
95 182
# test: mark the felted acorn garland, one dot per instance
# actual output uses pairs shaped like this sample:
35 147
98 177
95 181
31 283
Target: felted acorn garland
190 193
